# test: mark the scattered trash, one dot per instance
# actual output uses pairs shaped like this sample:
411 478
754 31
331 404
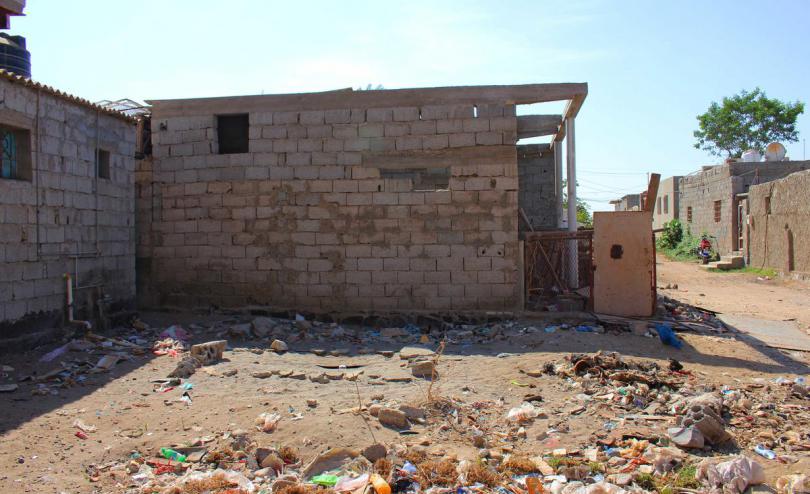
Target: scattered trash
667 335
267 422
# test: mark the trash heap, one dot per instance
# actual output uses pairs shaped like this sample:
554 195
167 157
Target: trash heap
689 316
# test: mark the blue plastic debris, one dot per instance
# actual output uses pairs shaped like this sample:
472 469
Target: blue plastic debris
667 335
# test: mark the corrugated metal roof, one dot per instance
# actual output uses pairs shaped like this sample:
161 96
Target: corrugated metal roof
23 81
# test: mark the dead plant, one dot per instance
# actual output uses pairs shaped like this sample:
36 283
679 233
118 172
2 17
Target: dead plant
214 483
431 397
517 465
436 472
289 454
482 474
304 489
383 467
415 456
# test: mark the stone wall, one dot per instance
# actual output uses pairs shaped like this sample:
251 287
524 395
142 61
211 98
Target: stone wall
325 212
537 195
59 208
779 223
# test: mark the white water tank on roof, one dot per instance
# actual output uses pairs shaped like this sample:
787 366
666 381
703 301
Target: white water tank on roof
775 152
751 156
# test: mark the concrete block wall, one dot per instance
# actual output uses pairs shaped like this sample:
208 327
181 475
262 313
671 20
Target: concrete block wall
700 191
669 198
306 219
779 223
538 193
62 209
723 183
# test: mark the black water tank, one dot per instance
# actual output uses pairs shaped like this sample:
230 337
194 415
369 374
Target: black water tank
13 55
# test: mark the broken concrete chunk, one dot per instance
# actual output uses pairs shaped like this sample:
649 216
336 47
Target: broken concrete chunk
424 368
330 460
319 378
208 353
262 326
409 352
390 417
279 346
686 437
185 368
375 452
412 412
262 374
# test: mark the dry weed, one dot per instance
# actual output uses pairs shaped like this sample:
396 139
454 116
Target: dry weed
415 456
383 467
215 483
517 465
289 454
436 472
484 475
304 489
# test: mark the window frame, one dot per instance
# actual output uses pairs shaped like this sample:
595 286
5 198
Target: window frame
21 169
236 122
718 211
103 166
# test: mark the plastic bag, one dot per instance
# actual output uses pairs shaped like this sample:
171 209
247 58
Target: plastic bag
349 484
667 335
734 475
267 422
793 484
523 413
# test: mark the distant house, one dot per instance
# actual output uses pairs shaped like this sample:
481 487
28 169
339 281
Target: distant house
711 200
667 202
630 202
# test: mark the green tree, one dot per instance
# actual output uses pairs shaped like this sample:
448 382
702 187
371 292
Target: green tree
749 120
583 214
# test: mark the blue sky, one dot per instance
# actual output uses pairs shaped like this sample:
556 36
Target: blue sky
651 66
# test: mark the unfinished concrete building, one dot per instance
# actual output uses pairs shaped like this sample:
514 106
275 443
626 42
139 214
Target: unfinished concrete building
710 200
349 200
66 202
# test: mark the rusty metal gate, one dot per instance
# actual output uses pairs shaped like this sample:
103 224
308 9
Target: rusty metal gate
549 276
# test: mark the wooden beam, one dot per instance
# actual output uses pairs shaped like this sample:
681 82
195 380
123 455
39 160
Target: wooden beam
383 98
652 192
538 125
440 158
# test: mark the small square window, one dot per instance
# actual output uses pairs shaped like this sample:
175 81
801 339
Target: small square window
232 133
15 153
718 206
689 214
102 163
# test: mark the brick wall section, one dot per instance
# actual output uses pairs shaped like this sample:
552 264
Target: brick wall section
537 194
305 220
789 216
723 183
34 258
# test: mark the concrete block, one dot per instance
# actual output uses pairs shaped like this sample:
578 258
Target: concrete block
347 131
314 117
371 130
337 116
461 140
379 115
489 138
407 143
405 114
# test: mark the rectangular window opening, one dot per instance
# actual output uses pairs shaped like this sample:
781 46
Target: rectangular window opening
422 179
232 133
666 204
658 205
102 163
767 204
15 153
718 206
689 214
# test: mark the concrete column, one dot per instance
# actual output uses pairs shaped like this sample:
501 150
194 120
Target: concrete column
571 176
558 176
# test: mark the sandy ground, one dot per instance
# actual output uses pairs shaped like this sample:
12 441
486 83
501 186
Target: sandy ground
40 452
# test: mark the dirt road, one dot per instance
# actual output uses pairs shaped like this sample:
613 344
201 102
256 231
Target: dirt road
736 293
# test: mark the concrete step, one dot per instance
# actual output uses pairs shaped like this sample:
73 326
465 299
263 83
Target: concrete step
734 261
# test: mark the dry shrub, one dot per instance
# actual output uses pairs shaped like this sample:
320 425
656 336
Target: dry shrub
220 455
436 472
304 489
214 483
383 467
517 465
289 454
415 456
482 474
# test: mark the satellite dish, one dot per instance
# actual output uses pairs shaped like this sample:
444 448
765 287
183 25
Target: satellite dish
775 152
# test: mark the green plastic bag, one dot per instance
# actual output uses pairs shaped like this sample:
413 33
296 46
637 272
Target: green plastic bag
325 480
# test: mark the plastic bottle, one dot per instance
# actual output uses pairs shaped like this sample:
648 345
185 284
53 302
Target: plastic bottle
171 454
764 452
380 485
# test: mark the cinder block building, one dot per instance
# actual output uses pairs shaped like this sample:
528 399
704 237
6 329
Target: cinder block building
711 200
348 200
66 200
628 202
